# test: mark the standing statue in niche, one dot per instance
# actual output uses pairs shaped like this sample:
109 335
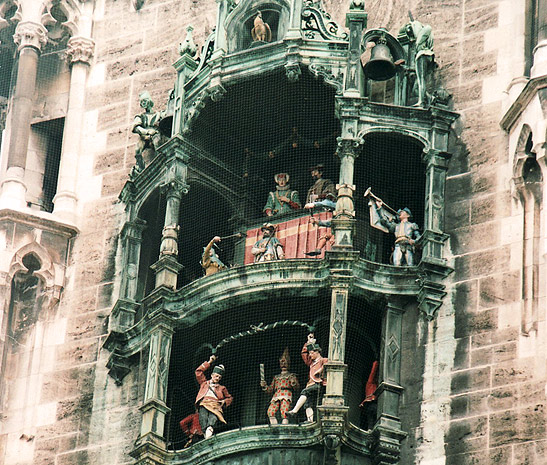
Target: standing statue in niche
406 233
261 32
146 125
282 388
212 397
309 397
268 248
422 35
283 200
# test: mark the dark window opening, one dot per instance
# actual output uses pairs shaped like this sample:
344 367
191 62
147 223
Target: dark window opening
203 215
42 170
153 213
268 125
391 166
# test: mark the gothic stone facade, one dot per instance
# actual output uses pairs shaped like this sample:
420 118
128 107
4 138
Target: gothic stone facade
469 334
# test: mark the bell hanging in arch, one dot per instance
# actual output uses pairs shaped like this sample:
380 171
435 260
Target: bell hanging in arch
380 66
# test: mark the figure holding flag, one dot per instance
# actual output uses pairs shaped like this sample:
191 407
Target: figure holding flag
397 222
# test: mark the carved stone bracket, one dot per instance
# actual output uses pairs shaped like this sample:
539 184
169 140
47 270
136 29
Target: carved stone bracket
29 34
80 49
326 72
318 24
432 290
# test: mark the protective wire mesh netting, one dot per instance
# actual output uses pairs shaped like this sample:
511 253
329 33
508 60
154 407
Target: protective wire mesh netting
261 333
260 128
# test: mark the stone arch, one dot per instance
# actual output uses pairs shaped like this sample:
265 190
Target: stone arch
402 132
239 22
528 181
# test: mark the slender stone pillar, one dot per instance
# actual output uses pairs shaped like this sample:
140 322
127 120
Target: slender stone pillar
167 267
356 21
80 52
343 222
387 430
123 313
29 37
334 395
154 408
540 52
436 166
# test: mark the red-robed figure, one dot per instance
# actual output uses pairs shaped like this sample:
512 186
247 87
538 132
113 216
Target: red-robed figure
212 397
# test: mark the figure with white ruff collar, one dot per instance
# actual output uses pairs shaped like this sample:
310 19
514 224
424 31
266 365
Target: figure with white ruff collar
283 200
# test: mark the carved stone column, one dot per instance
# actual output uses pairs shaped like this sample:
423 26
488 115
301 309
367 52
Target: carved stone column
167 267
344 222
154 408
356 21
185 66
387 430
79 52
433 241
540 51
123 313
29 37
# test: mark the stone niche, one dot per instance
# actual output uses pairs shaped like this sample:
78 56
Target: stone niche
240 23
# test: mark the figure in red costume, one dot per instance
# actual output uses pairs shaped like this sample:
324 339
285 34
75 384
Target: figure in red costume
369 402
311 354
191 427
212 397
282 388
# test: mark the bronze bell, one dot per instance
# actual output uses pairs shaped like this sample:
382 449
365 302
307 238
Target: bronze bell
380 66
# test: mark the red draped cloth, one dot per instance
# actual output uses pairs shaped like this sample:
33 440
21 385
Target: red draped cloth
297 237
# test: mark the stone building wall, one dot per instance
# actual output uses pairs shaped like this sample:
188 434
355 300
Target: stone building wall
482 399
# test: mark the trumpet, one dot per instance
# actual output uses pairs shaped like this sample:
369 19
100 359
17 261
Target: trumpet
369 193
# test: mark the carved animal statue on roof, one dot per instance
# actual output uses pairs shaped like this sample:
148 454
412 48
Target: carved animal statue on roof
261 32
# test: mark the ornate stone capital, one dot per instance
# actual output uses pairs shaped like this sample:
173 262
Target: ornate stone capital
80 49
29 34
348 147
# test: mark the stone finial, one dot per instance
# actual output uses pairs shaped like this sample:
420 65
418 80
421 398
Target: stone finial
80 49
188 45
30 34
357 5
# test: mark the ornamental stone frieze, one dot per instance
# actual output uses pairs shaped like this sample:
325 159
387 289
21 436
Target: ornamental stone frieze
29 34
80 49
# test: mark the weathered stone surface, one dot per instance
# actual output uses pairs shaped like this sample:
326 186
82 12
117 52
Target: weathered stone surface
476 237
468 324
469 380
500 289
482 263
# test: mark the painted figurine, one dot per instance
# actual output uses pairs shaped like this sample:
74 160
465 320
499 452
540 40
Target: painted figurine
422 35
328 205
328 237
282 387
311 354
210 262
268 248
146 125
406 234
191 427
261 31
283 200
322 188
212 397
369 403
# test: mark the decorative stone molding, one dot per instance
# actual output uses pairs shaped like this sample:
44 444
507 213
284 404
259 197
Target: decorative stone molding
29 34
80 49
